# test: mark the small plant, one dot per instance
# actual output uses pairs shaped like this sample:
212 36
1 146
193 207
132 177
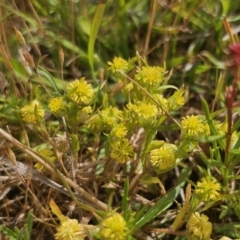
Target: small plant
19 234
119 144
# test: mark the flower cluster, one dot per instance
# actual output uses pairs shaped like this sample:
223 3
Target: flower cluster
208 189
70 229
199 226
56 105
163 158
194 126
121 150
48 154
118 131
222 129
80 92
177 100
143 113
118 64
33 113
113 227
150 76
111 116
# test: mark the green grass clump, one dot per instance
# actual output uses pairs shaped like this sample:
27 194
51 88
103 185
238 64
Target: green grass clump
119 120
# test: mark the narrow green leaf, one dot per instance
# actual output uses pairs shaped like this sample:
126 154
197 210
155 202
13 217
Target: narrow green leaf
29 223
164 203
213 60
226 4
183 211
94 30
125 199
212 138
43 73
5 17
140 213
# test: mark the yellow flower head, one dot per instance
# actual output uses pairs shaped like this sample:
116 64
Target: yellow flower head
48 154
70 230
177 100
222 128
95 124
87 110
56 104
122 151
194 126
113 228
111 116
150 75
128 87
208 189
118 64
119 131
163 158
80 92
163 102
199 226
144 111
33 112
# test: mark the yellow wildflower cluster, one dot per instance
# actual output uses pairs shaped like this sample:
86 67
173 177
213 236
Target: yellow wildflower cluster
114 227
150 75
48 154
208 189
80 92
163 158
222 128
111 116
70 229
119 131
144 112
177 100
118 64
56 104
33 113
121 150
194 126
199 226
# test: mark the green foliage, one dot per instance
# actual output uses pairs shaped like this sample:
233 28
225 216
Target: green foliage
20 234
152 109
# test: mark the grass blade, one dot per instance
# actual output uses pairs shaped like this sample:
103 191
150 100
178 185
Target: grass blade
164 203
94 30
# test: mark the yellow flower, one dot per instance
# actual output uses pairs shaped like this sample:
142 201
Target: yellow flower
95 124
118 64
163 102
48 154
70 230
128 87
119 131
163 158
111 116
33 112
143 110
122 150
222 128
56 104
199 226
193 126
177 100
208 189
113 228
80 92
87 109
150 75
